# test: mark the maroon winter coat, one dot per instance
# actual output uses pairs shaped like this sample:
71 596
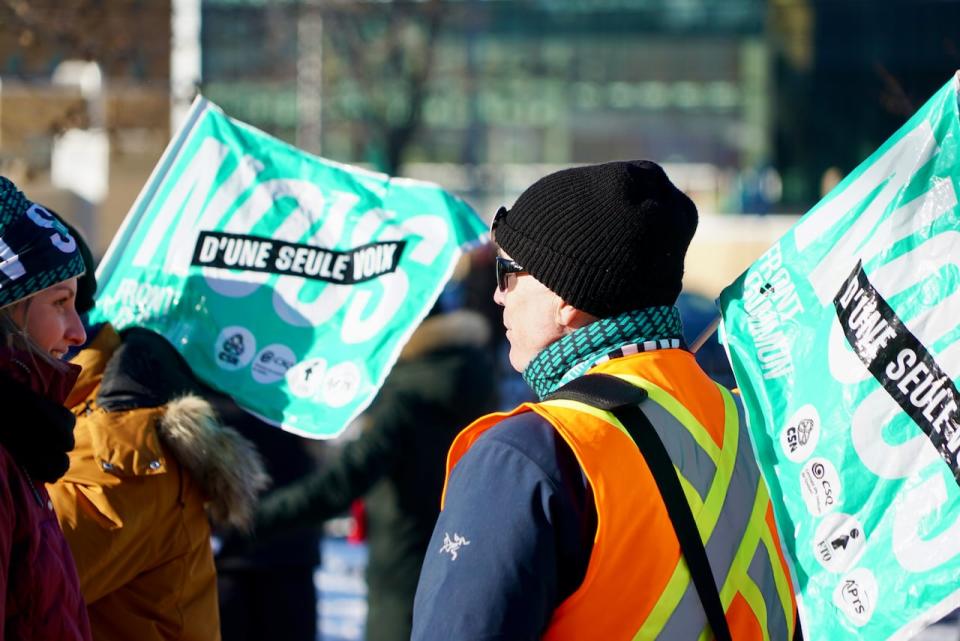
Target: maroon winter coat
39 590
38 580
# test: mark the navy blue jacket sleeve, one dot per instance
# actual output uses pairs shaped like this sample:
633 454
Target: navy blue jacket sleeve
513 540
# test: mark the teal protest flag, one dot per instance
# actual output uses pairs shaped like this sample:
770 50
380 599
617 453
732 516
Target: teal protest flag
287 281
845 340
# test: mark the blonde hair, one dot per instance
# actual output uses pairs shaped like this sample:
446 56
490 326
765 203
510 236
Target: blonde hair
14 336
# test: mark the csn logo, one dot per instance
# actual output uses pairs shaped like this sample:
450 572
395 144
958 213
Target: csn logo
799 437
232 349
235 347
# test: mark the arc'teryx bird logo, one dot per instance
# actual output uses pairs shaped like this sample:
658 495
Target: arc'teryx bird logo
452 546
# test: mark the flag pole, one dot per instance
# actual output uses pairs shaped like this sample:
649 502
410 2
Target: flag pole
705 334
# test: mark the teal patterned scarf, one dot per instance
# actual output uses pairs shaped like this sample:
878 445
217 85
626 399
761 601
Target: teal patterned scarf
571 356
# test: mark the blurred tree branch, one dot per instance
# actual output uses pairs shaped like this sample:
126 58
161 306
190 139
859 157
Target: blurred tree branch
380 54
386 51
128 38
895 97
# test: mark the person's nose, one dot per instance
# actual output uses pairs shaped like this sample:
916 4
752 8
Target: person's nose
498 296
75 334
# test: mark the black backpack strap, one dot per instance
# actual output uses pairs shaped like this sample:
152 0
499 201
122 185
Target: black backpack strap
615 395
602 391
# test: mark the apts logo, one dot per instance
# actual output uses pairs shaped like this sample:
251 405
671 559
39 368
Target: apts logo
856 596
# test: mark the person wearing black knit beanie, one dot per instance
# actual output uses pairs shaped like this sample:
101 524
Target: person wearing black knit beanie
564 518
607 238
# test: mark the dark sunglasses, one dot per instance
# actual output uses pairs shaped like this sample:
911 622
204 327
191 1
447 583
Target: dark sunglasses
505 267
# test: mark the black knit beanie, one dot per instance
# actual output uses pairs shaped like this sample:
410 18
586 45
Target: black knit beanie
606 238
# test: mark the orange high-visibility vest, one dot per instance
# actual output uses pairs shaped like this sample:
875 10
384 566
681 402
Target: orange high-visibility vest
637 585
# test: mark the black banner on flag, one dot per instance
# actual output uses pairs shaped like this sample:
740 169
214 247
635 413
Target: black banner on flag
258 254
901 364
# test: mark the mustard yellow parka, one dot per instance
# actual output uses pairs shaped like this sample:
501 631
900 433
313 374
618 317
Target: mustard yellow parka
132 504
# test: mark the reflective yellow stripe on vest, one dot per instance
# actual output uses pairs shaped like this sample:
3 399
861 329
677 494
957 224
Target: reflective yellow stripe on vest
739 545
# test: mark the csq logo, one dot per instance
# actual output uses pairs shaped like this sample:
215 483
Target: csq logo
272 363
820 486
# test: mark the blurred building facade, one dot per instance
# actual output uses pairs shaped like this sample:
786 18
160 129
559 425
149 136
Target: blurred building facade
99 68
759 98
745 100
513 84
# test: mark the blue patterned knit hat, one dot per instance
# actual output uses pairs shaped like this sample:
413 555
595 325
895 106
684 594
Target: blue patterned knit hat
36 250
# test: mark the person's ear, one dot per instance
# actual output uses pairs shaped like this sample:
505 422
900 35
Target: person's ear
571 318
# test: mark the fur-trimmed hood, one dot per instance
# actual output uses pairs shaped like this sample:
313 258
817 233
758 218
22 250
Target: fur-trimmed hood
144 386
227 466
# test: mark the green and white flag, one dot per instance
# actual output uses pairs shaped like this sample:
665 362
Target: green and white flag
845 341
287 281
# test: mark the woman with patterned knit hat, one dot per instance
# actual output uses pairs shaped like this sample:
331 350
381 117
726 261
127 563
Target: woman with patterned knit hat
39 267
